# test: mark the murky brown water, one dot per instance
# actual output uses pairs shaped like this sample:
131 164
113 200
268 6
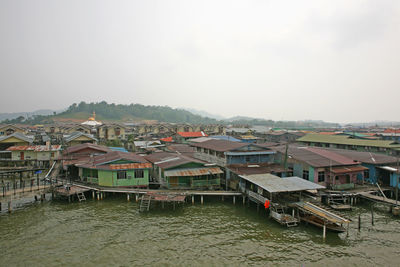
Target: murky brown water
113 232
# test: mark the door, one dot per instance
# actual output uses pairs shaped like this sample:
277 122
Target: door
21 155
173 182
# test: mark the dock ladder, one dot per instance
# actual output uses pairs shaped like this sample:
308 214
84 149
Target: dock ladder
81 196
145 203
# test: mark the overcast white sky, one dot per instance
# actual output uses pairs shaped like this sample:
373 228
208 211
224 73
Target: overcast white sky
293 60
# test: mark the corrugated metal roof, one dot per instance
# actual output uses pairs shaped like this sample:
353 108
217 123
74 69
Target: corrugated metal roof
130 166
74 149
18 136
274 184
221 145
193 172
346 140
342 170
38 148
315 157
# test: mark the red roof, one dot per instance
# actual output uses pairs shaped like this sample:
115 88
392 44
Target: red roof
192 134
392 131
166 139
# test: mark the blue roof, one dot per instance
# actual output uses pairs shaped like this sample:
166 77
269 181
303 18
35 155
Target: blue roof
121 149
226 137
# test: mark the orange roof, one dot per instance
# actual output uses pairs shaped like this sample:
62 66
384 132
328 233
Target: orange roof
166 139
192 134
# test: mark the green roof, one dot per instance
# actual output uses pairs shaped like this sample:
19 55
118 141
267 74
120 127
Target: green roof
346 140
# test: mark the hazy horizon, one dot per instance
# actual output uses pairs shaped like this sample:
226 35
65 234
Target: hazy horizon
286 60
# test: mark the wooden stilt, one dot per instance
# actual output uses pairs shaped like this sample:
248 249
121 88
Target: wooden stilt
324 232
234 200
93 194
359 222
9 206
98 196
202 200
244 199
193 199
372 214
136 197
127 197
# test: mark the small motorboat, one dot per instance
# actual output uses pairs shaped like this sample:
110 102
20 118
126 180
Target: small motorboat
278 214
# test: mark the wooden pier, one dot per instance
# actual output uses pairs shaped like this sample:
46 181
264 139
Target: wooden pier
380 199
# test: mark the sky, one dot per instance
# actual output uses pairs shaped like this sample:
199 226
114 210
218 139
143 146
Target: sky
336 61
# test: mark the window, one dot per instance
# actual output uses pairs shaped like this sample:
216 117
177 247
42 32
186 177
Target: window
94 174
117 131
321 177
305 175
336 178
139 173
121 175
366 174
248 158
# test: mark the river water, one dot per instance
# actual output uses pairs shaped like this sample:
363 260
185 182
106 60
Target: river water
113 232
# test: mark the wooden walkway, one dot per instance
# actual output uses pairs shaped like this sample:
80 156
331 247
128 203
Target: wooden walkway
21 191
381 199
145 191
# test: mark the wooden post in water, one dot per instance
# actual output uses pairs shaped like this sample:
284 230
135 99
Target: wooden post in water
98 195
202 200
9 206
127 197
136 197
372 214
324 232
93 194
234 200
244 199
359 222
192 199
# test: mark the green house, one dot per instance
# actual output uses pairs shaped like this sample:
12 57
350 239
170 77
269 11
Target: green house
183 172
118 169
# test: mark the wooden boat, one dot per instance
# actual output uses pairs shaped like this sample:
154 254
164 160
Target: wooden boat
278 214
334 227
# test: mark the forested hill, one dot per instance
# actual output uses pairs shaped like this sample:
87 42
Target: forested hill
119 112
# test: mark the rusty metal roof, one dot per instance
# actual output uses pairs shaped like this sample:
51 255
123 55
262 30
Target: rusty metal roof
315 157
37 148
193 172
343 170
130 166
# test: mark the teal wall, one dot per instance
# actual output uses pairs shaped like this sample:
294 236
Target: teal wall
311 174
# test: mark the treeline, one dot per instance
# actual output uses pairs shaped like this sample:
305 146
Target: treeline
107 111
119 112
